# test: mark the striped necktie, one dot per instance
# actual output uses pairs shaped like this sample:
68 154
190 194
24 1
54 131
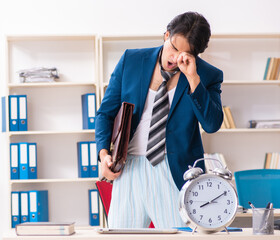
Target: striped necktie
156 140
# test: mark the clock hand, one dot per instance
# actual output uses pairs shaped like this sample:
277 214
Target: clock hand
224 193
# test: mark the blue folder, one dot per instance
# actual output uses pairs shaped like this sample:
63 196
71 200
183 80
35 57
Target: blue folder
38 206
3 101
22 112
89 110
13 113
83 159
15 208
23 160
93 170
32 161
93 207
14 160
24 207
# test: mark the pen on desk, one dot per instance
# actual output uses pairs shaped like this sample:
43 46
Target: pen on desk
251 204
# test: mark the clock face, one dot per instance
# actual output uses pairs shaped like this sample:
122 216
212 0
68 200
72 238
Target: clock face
210 202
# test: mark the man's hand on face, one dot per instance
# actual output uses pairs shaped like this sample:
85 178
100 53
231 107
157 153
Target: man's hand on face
187 65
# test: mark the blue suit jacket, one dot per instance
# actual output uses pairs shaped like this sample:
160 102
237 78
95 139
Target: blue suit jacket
130 83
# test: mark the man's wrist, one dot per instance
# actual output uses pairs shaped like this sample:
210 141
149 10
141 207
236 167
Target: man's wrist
103 153
194 81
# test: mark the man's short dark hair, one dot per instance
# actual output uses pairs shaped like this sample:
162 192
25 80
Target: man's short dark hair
194 27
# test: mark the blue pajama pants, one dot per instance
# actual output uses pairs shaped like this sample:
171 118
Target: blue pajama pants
144 193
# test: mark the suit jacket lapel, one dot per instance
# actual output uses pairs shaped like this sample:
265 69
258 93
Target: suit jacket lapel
148 63
180 89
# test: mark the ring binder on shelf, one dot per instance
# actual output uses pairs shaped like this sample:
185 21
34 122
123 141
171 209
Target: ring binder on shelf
93 207
23 160
13 113
38 206
32 161
93 172
24 207
14 161
83 159
15 208
89 110
22 112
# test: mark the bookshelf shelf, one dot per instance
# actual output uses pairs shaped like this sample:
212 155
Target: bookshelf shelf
63 180
50 132
246 130
51 84
266 82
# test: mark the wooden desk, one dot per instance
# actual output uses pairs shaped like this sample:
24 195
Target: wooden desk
92 235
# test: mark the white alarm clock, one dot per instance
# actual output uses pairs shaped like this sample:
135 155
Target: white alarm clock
208 202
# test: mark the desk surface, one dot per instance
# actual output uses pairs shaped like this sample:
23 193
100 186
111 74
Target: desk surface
92 235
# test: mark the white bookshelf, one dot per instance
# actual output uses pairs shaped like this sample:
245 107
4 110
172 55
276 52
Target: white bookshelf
243 57
54 113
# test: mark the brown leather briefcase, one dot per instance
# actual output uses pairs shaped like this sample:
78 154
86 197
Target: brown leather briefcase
120 136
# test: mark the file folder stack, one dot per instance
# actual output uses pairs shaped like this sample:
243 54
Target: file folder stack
93 207
89 110
29 206
23 160
87 159
18 112
39 74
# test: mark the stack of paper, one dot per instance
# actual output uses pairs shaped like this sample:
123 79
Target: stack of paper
40 74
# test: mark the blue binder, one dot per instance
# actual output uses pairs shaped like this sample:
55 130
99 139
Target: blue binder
22 112
23 160
93 168
3 101
13 113
24 207
38 206
15 208
83 159
93 207
32 161
14 161
89 110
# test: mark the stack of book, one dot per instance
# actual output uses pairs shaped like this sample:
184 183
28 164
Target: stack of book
211 163
228 119
272 160
272 69
45 229
40 74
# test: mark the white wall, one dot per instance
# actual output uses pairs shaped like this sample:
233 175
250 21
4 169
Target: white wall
120 17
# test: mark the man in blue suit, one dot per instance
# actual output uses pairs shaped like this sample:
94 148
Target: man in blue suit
145 189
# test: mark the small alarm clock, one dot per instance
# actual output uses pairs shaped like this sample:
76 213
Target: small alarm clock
208 202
